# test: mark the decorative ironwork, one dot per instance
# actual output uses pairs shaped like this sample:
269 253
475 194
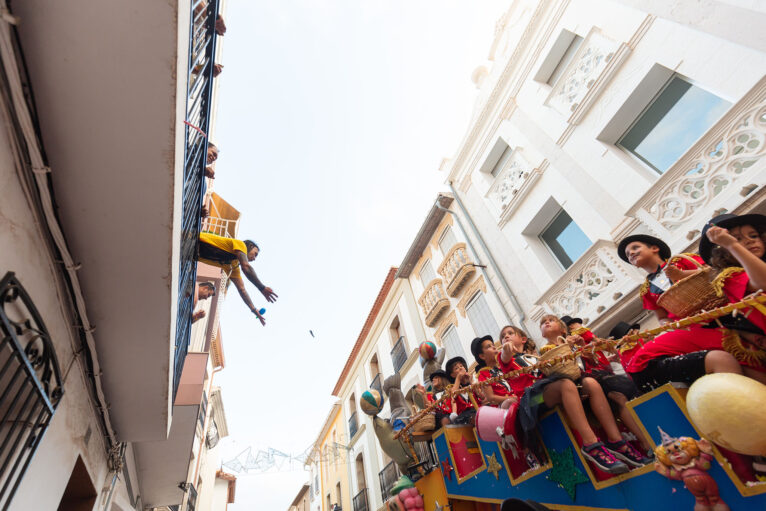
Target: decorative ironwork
30 384
388 477
353 426
360 500
399 354
212 436
203 411
198 104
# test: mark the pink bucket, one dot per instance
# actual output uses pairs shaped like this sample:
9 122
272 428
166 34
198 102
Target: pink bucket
488 420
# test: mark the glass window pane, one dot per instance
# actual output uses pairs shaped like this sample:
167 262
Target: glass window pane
680 115
427 273
481 317
565 239
452 345
447 240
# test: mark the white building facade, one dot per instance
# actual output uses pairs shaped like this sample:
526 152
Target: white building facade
599 119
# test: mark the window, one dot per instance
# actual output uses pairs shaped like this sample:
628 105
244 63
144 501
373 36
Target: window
452 344
481 318
565 239
427 273
447 240
672 122
501 161
561 54
497 158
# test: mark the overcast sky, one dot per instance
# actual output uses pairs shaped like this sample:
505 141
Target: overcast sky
333 118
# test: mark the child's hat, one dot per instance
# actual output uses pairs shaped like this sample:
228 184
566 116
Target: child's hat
643 238
438 372
727 221
568 320
622 328
476 348
451 362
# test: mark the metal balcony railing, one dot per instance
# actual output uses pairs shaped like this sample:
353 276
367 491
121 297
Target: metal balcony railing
377 383
203 411
399 353
220 226
30 384
198 103
353 427
360 501
191 504
388 477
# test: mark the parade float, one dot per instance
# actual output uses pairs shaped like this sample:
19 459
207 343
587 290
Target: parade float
709 441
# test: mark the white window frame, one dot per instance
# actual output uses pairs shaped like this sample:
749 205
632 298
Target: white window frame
558 57
550 249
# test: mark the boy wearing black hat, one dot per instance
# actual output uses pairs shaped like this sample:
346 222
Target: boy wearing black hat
651 255
487 357
463 405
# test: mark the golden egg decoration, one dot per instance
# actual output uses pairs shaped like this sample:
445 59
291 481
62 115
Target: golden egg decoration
730 410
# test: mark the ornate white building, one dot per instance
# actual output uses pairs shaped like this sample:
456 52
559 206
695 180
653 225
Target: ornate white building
598 119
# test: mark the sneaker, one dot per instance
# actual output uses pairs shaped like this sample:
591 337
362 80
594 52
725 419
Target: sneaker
626 453
603 458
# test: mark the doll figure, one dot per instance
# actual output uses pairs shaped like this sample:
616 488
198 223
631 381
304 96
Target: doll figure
688 460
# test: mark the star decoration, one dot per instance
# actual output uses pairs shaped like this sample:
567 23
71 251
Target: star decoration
447 469
564 472
493 467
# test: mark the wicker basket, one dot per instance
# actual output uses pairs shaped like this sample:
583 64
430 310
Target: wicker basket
568 368
426 423
692 294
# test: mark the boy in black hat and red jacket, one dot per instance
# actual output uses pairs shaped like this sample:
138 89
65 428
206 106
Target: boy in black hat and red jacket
488 360
463 405
678 355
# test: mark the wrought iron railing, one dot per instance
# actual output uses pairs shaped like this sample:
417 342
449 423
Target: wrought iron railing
388 477
203 411
377 383
399 353
360 500
191 504
198 103
353 426
30 384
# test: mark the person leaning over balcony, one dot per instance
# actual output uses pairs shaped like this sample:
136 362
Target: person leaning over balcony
230 255
205 290
675 356
212 156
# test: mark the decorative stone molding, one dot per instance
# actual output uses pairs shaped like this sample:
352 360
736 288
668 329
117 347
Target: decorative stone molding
441 328
434 302
592 284
513 182
717 173
476 285
456 269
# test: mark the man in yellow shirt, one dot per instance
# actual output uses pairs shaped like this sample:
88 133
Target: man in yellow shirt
232 256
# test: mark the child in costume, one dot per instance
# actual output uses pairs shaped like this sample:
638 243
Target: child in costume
488 361
439 381
619 389
734 245
540 394
462 406
678 355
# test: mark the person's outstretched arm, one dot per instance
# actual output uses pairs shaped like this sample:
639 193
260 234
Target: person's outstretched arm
244 264
246 297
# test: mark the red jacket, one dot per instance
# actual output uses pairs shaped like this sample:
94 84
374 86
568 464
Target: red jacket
501 388
522 381
649 294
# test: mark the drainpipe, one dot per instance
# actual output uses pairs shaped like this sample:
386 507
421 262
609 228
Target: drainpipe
491 260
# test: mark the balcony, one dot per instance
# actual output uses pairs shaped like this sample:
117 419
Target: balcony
434 302
377 382
399 354
513 181
360 501
456 269
595 282
128 180
353 426
223 218
388 477
718 172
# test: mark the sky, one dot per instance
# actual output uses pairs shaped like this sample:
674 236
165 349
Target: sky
333 118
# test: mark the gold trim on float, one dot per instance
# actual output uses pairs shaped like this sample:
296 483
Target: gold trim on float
744 490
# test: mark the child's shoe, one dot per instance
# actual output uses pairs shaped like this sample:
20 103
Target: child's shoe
625 452
603 458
